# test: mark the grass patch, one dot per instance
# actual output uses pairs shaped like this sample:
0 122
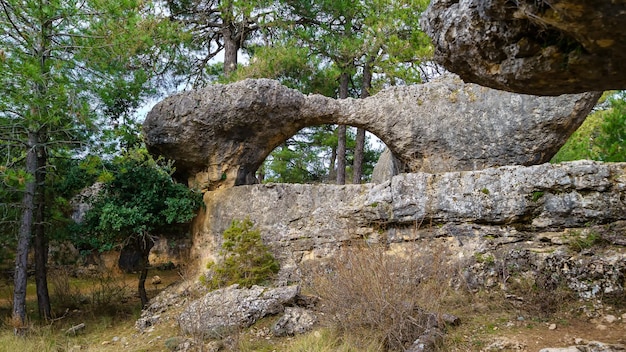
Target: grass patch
105 303
536 195
578 241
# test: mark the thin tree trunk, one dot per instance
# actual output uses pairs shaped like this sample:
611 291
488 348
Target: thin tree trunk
332 174
41 242
231 48
26 229
341 133
357 167
145 244
341 155
143 274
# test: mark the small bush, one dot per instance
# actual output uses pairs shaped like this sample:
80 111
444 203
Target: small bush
108 294
542 294
64 295
388 297
244 259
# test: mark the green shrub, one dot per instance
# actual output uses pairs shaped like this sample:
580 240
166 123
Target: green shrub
579 242
601 136
244 259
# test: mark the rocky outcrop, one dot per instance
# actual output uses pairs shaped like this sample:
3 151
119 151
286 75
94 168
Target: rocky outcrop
220 135
538 218
532 47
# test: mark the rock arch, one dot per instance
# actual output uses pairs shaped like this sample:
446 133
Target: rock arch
220 135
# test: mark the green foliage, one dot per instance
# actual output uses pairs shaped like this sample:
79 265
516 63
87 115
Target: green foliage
208 28
601 137
305 158
536 195
245 260
294 65
578 241
612 139
140 199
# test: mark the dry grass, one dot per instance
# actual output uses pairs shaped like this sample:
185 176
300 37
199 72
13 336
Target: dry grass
380 297
106 303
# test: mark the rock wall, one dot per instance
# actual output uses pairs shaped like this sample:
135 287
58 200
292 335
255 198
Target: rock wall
527 216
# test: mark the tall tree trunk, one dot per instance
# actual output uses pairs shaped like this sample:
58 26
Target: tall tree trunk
232 43
341 155
26 228
359 149
357 166
41 242
341 133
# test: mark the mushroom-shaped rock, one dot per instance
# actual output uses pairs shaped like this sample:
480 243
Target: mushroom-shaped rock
220 135
529 46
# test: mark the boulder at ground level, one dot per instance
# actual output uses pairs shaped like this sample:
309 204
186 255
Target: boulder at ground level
296 320
222 311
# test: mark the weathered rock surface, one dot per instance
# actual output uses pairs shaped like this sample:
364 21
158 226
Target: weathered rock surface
386 167
593 346
533 47
220 135
527 217
296 320
221 311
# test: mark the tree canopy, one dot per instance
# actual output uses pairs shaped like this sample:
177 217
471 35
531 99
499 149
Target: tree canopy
74 74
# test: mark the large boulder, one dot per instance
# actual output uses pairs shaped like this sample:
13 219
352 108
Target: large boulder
533 47
220 135
229 309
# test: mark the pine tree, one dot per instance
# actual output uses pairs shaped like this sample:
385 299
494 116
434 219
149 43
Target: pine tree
64 65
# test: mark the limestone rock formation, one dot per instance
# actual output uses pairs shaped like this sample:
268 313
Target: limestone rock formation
533 47
529 217
220 135
221 311
386 167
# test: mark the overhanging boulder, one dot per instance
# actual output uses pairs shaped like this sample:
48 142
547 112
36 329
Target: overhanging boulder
532 47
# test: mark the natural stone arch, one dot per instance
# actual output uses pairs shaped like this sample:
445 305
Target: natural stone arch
220 135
